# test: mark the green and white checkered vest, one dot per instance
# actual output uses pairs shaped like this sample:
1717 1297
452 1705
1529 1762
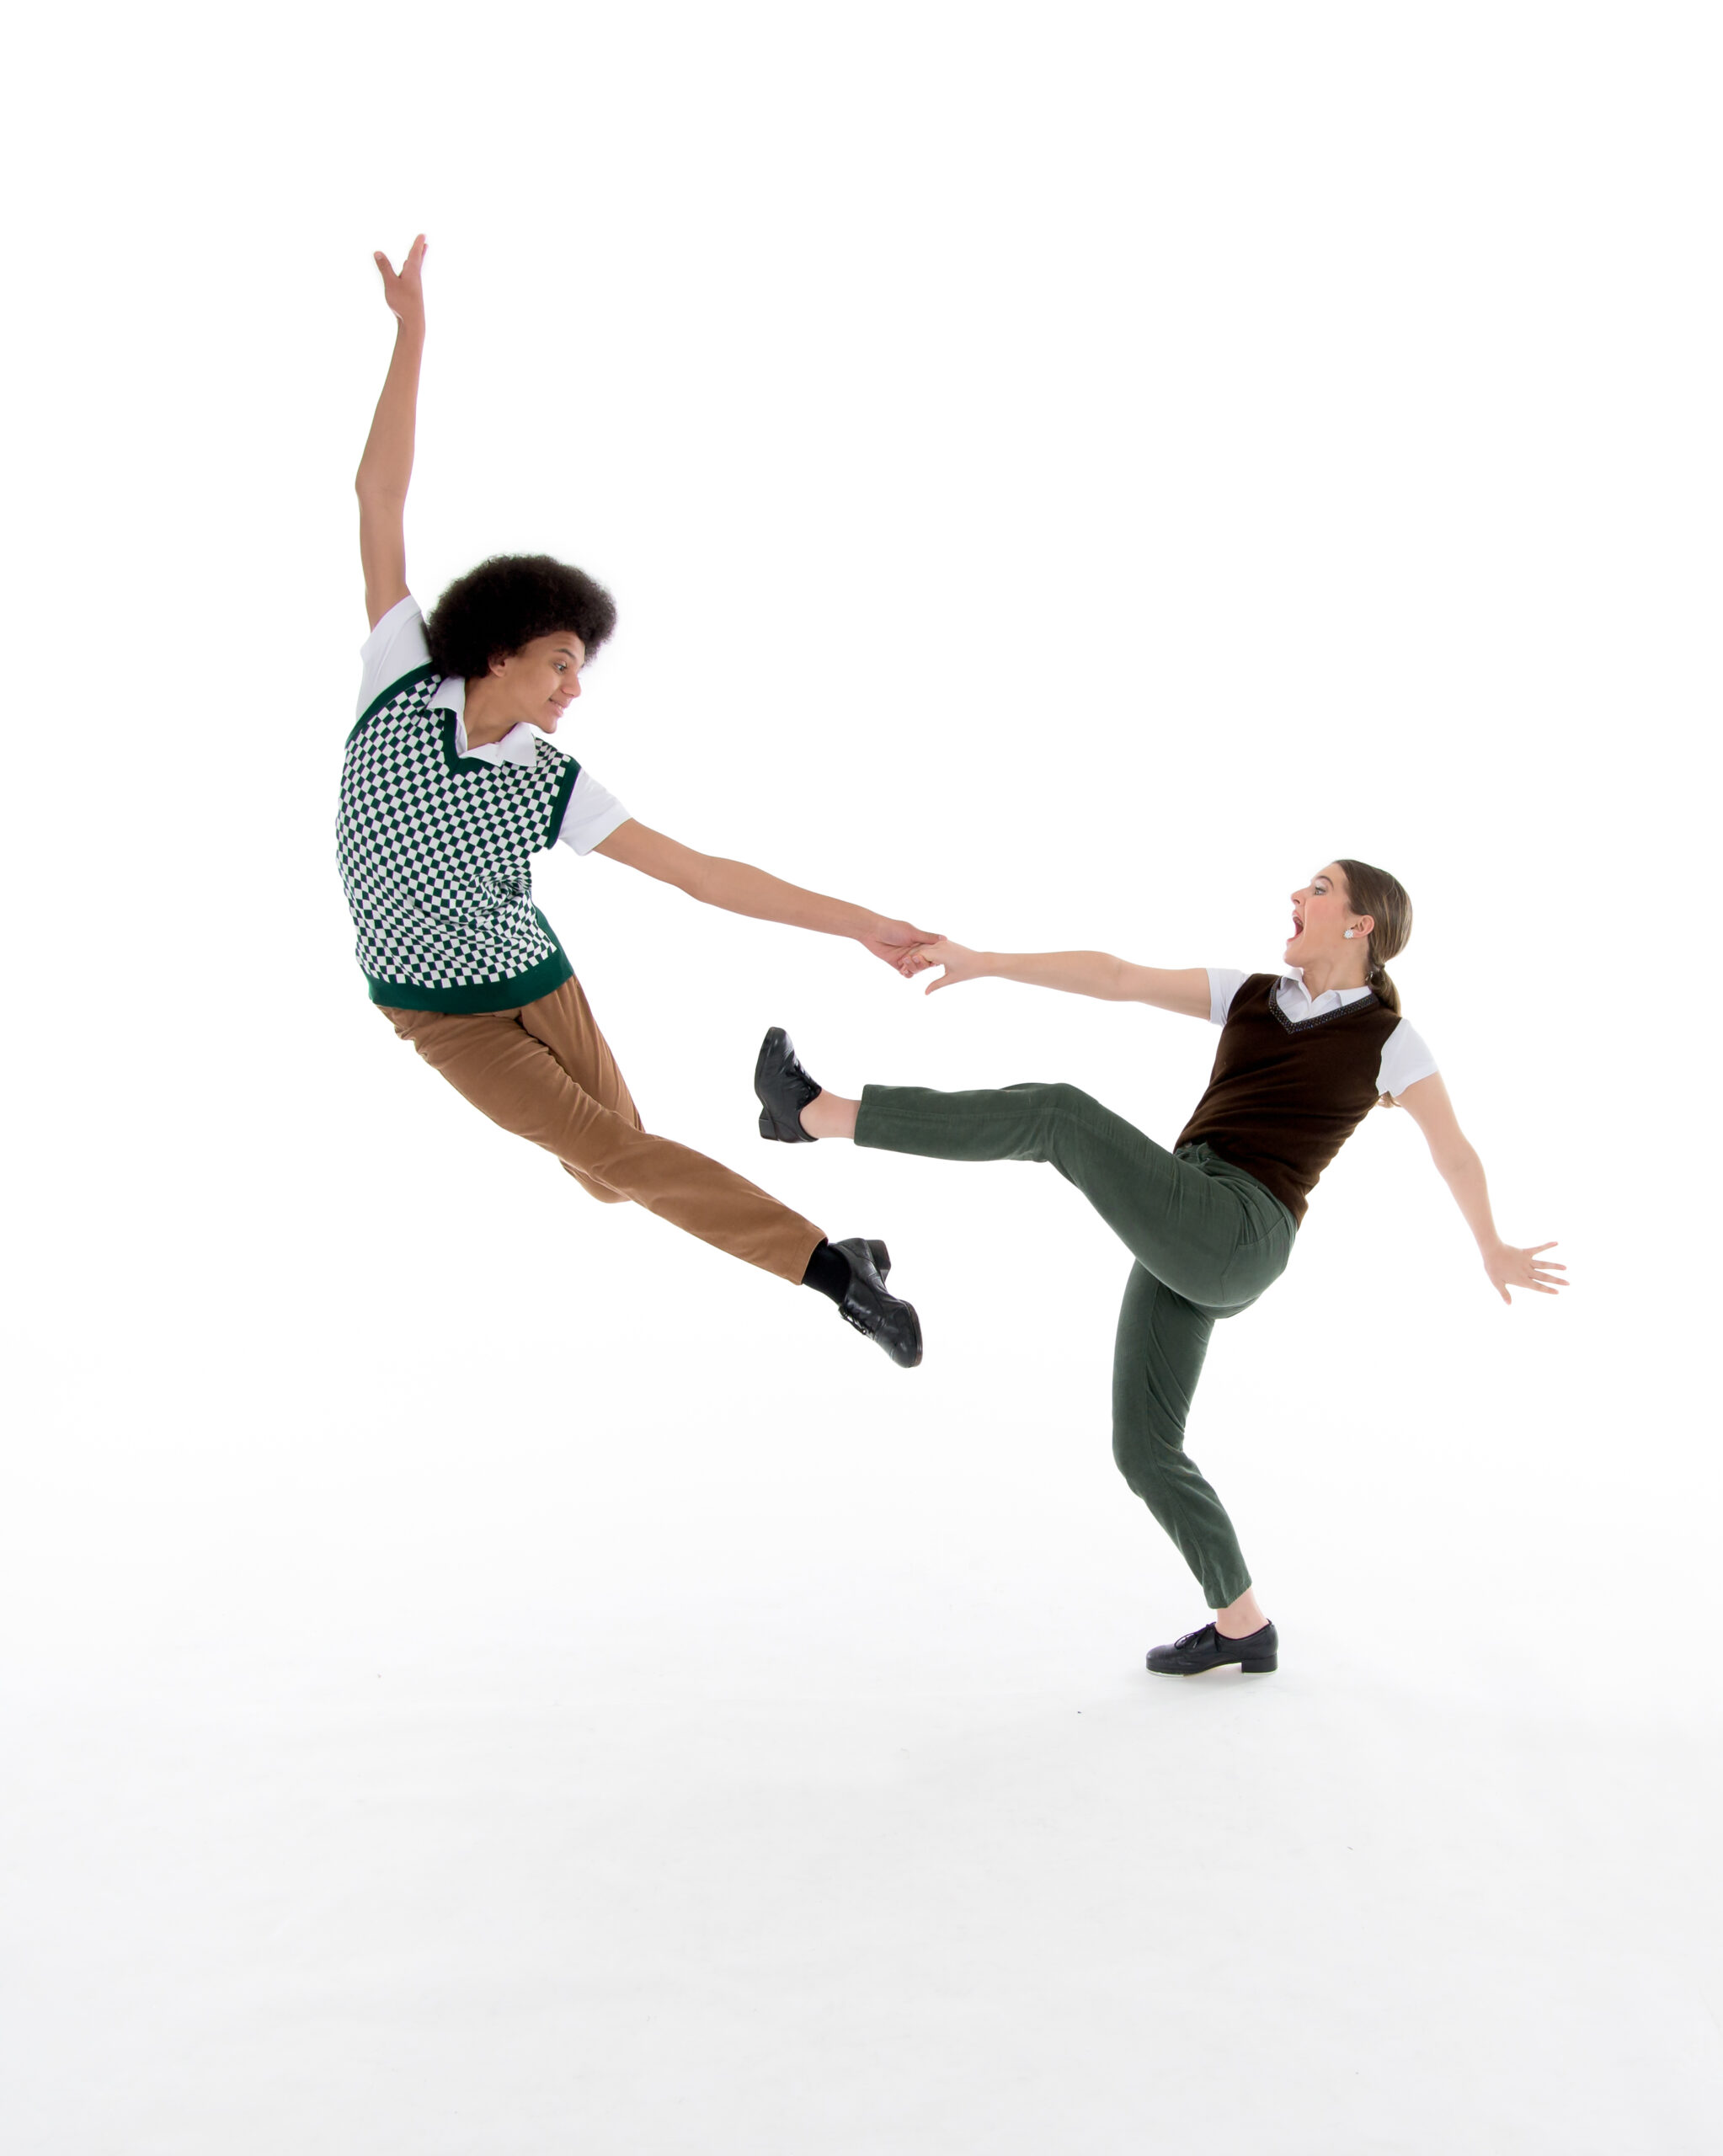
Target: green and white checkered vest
436 850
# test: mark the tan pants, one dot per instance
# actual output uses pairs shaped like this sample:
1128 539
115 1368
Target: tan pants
546 1073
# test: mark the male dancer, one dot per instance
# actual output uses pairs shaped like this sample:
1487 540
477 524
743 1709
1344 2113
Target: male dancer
449 787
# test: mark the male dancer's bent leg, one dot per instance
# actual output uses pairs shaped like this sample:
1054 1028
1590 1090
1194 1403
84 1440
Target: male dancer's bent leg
545 1072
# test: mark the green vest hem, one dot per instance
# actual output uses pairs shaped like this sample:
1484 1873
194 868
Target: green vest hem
541 980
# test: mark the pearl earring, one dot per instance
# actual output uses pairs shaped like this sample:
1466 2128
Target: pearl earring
1348 936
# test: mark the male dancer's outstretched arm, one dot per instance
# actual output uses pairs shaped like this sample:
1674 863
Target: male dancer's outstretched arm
740 888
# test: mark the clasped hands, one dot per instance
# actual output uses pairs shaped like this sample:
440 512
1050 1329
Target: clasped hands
910 951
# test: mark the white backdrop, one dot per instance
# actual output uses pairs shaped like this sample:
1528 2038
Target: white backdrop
482 1673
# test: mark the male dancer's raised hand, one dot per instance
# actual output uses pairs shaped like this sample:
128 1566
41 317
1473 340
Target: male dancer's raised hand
403 290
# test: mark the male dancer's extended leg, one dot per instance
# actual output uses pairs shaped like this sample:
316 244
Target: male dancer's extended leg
1157 1359
546 1073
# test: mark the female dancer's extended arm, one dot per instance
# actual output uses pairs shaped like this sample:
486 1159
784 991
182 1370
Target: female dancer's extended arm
387 466
1183 989
1459 1167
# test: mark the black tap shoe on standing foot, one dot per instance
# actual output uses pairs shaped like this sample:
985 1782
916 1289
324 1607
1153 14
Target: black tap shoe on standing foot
1206 1648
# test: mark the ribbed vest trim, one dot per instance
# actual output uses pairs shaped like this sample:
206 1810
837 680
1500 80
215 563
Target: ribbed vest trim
541 980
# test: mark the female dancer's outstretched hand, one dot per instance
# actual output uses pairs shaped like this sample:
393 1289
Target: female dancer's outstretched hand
405 292
1509 1267
959 963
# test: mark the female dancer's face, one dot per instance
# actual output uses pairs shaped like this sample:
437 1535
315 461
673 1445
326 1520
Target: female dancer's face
543 678
1322 912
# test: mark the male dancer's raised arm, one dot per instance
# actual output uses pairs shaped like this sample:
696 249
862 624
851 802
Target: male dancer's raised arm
495 703
385 469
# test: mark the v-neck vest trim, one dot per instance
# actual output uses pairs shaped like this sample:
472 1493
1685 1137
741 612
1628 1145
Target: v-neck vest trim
1322 1018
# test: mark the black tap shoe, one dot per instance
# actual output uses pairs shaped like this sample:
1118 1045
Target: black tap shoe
871 1308
1205 1648
784 1088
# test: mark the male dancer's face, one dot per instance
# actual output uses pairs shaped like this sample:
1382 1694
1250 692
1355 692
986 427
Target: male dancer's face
1322 912
543 678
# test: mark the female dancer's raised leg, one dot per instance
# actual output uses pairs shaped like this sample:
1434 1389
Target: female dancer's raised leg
1206 1238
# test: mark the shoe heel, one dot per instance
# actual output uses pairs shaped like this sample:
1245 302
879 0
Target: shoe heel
768 1128
882 1258
1260 1664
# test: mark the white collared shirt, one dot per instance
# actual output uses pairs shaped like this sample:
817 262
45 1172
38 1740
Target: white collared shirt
397 647
1404 1058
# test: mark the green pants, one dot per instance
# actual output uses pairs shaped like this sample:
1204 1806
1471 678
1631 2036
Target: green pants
1206 1238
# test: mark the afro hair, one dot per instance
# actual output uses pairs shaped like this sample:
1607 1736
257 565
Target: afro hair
506 602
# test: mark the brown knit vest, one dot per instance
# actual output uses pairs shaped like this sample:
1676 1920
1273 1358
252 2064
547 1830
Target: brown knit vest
1283 1097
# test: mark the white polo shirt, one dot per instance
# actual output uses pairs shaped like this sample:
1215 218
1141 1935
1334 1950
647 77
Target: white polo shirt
1404 1058
397 647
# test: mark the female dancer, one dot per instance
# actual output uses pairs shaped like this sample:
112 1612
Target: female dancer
1302 1060
450 786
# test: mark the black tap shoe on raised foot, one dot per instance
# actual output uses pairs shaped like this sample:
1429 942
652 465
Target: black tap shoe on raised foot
784 1088
871 1309
1205 1648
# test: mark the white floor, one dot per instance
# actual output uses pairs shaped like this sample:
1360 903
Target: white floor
1088 1919
418 1783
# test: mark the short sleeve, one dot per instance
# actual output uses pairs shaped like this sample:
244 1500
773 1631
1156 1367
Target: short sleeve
1405 1060
395 648
592 813
1225 983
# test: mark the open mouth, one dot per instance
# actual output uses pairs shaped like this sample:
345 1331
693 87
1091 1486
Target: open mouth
1298 926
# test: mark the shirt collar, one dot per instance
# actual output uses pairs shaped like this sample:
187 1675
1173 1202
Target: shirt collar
1293 977
516 745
